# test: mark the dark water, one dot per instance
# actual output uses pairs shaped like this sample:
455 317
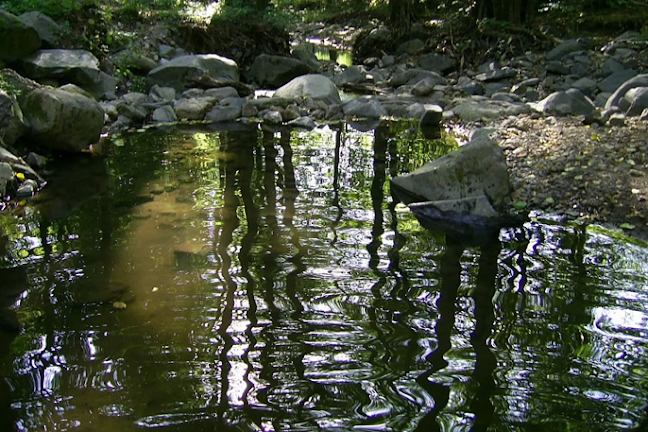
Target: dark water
266 281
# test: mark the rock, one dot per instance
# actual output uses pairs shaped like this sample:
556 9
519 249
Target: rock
270 71
48 30
586 85
436 62
637 81
35 160
249 110
611 66
304 122
432 116
315 86
134 113
557 67
496 75
191 109
637 99
614 81
71 66
222 114
617 120
570 102
26 189
644 115
424 87
12 124
162 94
272 116
17 39
351 75
472 180
567 47
135 61
164 114
413 76
470 86
222 93
176 72
387 60
62 121
410 47
364 107
6 177
474 110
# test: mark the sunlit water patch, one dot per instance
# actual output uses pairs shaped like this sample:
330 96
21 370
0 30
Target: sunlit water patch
266 280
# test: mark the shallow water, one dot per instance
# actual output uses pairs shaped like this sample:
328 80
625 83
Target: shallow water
255 280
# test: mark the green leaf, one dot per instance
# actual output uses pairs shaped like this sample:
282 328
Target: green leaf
627 226
549 200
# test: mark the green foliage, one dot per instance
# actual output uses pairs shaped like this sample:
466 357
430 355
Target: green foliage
52 8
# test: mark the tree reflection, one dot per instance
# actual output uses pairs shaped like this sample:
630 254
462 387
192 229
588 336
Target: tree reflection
485 362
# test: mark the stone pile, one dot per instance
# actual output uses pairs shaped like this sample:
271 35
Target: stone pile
64 99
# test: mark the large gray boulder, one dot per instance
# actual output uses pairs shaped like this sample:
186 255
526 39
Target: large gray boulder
48 30
315 86
471 181
478 109
637 81
570 102
78 67
270 71
17 39
178 73
61 120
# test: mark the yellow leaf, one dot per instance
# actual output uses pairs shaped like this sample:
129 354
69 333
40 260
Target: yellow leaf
20 176
595 137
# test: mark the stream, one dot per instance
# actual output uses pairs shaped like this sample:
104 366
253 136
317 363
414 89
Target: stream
255 279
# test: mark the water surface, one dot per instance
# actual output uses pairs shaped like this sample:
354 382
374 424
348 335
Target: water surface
265 280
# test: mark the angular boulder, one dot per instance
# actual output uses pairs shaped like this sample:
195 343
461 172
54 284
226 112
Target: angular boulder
315 86
570 102
17 39
78 67
178 72
61 120
469 184
270 71
48 30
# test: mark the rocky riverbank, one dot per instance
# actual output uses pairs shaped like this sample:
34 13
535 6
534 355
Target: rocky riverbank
572 120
